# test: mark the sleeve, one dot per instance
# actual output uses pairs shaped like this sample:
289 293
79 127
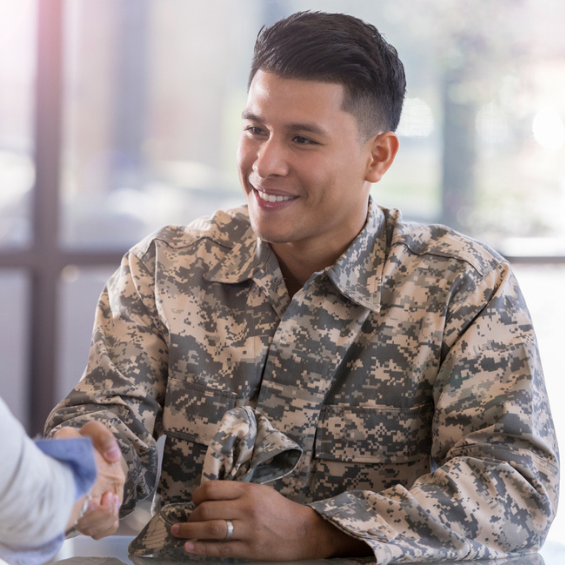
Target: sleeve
494 483
37 491
123 385
78 455
31 556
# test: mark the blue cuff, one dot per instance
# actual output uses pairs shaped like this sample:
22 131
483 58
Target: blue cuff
78 454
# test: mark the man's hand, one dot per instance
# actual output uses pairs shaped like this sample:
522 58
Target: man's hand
266 526
102 515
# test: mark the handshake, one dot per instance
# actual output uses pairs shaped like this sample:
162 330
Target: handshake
98 516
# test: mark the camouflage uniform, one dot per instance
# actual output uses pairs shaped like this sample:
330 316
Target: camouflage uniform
408 372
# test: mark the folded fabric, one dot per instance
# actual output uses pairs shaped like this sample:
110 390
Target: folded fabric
245 448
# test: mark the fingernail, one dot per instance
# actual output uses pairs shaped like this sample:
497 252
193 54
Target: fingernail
114 452
175 530
117 502
189 547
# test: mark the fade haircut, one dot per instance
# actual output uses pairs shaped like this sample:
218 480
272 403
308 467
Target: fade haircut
342 49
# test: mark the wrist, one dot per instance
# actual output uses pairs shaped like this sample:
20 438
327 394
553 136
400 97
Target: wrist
334 542
79 510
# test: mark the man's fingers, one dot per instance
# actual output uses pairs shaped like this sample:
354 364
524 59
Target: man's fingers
103 440
102 519
99 527
108 532
235 549
210 530
66 433
214 510
217 490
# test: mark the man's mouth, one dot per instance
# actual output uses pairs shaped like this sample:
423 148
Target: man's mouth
273 198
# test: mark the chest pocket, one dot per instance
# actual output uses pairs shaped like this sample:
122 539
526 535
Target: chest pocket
372 449
379 434
193 412
191 416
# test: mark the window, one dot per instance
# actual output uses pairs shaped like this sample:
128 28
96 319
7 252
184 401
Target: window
17 80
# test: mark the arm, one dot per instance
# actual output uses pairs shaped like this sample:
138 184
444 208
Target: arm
43 486
37 492
495 489
124 382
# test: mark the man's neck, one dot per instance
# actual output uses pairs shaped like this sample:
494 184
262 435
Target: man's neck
298 265
299 260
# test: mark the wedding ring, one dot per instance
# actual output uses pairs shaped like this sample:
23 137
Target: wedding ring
229 534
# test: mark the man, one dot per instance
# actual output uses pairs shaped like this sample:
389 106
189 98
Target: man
401 358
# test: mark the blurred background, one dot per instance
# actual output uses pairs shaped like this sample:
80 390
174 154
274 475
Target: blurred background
120 116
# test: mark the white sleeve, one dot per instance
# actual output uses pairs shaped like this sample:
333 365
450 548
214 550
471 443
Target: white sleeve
37 492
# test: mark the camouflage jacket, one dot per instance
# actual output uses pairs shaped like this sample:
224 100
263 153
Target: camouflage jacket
408 373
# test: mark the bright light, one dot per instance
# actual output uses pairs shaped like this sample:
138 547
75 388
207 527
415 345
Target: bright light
548 129
417 119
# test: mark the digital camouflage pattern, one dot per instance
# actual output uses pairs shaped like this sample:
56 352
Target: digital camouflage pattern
408 373
245 448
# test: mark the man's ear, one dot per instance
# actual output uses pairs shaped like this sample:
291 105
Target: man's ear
383 149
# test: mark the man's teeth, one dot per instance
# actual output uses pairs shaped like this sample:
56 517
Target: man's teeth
273 198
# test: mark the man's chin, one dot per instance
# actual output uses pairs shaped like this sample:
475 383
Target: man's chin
271 238
268 233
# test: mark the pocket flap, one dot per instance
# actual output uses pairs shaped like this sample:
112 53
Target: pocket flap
378 434
193 412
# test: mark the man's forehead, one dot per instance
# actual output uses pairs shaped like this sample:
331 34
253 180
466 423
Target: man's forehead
297 100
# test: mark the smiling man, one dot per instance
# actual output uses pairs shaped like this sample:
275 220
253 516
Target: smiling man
307 171
400 358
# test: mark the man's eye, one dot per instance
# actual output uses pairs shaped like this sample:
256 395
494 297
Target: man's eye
303 140
254 130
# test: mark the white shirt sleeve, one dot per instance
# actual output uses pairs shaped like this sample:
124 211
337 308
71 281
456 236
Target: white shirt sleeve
37 492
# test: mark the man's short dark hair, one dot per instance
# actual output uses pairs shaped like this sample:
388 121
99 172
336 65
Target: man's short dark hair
342 49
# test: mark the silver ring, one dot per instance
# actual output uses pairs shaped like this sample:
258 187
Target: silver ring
229 526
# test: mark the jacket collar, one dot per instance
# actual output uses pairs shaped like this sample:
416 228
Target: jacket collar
357 274
242 261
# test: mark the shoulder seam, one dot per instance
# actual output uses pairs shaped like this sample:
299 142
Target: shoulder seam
142 248
464 259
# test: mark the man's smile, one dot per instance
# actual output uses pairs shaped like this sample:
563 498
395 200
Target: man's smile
273 197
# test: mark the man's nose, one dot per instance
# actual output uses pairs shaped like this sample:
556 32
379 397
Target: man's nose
272 159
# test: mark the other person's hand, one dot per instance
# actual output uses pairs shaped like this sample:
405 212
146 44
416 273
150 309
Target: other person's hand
101 517
266 526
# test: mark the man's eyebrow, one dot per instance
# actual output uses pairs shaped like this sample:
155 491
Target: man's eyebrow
246 115
307 127
312 128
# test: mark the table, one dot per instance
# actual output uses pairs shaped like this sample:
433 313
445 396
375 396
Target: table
113 550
